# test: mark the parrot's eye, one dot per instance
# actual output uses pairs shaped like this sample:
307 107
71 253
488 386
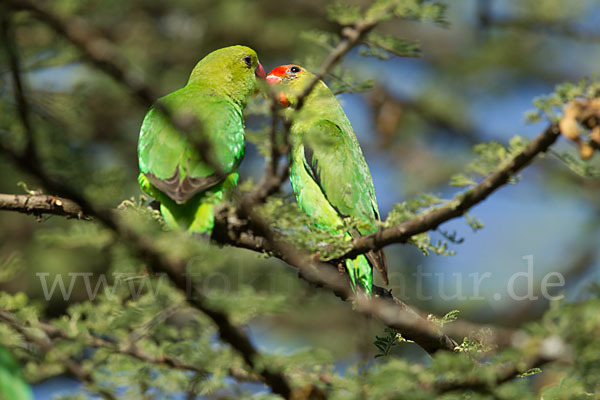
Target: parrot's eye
294 69
247 60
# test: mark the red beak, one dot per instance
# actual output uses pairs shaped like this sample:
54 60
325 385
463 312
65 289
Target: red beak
273 79
260 71
277 74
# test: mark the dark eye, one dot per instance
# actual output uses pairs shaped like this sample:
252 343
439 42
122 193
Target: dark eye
294 69
247 60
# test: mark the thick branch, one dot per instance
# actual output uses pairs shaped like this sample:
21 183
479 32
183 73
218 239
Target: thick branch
431 220
394 314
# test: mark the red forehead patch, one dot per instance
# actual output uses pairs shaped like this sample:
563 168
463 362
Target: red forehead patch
280 71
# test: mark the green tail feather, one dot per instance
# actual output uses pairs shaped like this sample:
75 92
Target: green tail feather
195 216
361 274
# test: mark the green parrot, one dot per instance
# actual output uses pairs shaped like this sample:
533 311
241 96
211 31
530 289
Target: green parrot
172 169
328 172
12 385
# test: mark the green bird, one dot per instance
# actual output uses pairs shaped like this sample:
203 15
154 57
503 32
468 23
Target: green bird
12 385
186 181
328 172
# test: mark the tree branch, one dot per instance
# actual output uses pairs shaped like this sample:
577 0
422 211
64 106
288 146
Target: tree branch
94 47
395 314
22 107
272 181
98 51
38 204
45 344
128 349
549 350
431 220
144 248
392 311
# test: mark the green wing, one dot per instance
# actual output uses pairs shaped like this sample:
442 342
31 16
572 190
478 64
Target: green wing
332 182
335 161
172 162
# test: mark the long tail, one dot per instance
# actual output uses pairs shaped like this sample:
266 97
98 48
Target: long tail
361 275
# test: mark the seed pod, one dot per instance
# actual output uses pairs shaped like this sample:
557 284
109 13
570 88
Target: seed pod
585 150
568 127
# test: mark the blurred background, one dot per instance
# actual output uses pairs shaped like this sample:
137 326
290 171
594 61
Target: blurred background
417 123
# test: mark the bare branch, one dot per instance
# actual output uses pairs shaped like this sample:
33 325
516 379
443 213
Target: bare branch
41 204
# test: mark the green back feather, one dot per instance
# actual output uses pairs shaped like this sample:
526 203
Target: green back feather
173 170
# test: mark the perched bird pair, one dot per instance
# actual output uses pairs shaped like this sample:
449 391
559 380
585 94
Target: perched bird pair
328 172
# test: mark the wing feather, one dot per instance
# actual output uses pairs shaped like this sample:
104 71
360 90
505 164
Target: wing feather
172 163
334 161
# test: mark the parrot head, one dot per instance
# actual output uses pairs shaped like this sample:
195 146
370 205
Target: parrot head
290 79
232 71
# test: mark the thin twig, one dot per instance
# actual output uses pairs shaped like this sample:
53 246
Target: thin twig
8 42
272 181
128 349
45 344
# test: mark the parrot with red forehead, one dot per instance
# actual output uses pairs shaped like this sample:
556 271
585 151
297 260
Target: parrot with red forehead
172 169
328 172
